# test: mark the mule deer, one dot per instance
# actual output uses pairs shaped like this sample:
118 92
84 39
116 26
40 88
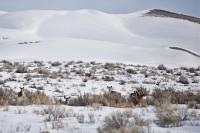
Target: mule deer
158 83
136 96
20 94
66 101
113 94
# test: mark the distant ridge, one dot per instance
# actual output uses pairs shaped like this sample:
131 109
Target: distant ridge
181 49
164 13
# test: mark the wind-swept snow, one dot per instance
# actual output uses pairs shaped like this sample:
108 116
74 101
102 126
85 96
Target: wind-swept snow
94 35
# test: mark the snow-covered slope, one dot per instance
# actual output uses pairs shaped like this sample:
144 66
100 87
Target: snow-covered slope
95 35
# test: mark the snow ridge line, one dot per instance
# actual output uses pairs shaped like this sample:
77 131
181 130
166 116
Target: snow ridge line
185 50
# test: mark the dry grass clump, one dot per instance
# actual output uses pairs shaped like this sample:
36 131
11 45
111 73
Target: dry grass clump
193 105
21 69
162 96
105 99
9 97
38 98
6 96
176 97
17 67
113 99
43 71
55 75
46 73
7 66
123 122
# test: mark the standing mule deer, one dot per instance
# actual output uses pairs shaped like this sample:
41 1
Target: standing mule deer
66 101
113 95
158 83
136 96
20 94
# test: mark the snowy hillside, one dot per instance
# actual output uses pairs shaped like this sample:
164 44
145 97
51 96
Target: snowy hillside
94 35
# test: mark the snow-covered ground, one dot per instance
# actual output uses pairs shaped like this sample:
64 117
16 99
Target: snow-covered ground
57 79
26 119
95 35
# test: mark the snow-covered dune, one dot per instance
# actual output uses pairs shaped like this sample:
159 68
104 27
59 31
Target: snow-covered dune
95 35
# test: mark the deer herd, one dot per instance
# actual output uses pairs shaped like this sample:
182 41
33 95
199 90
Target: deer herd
134 97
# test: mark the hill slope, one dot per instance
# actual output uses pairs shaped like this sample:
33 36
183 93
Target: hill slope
94 35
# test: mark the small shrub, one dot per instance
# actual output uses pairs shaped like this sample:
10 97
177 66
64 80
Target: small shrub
82 85
80 118
116 120
88 74
6 109
169 116
131 71
162 96
54 113
21 69
169 71
108 78
43 71
39 63
193 105
162 67
91 118
122 82
192 70
148 82
55 75
2 82
57 125
120 122
183 80
28 77
196 74
109 66
57 63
